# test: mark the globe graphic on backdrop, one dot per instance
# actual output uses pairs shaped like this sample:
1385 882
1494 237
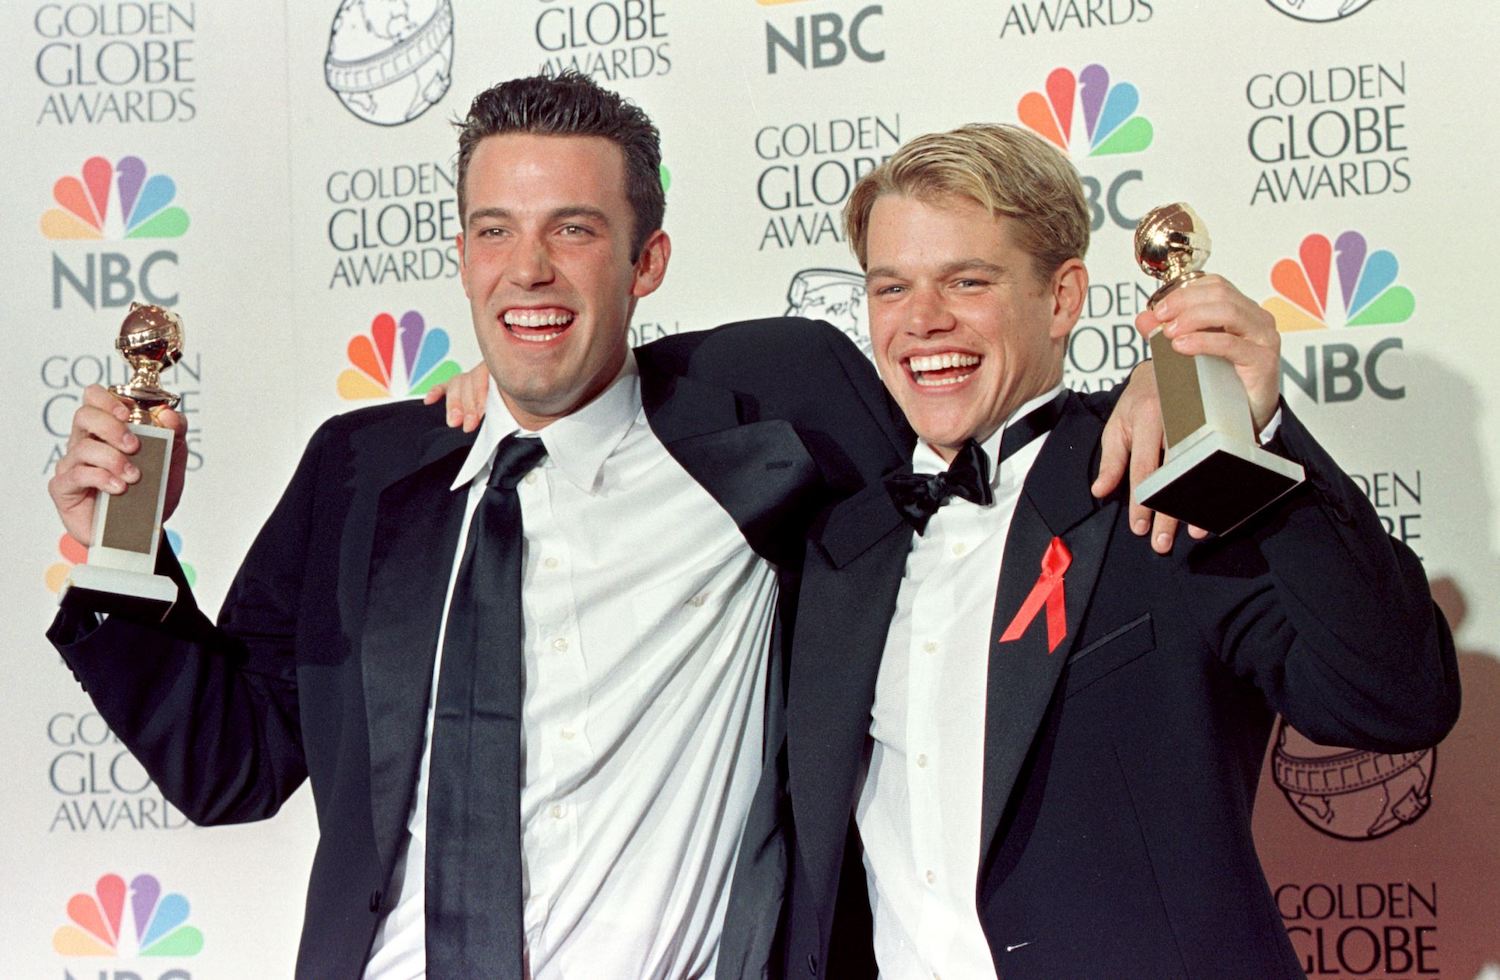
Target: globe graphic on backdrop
1351 793
835 295
389 61
1320 10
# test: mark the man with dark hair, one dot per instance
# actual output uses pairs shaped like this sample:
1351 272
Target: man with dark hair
525 761
532 673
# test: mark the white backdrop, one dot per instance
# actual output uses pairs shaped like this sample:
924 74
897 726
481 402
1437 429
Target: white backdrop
282 175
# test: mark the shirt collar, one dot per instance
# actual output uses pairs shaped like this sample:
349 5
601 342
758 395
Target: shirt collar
578 444
924 458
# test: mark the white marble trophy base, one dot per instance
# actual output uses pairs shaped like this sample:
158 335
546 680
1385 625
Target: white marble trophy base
100 589
1217 482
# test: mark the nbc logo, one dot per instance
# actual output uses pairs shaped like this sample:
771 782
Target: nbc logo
824 39
97 926
1367 294
1110 123
372 358
144 208
73 553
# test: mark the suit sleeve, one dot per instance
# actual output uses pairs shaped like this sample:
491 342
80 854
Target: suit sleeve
1330 617
808 372
211 710
881 439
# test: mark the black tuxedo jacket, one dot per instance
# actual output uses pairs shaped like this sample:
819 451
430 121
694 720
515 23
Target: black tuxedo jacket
1119 769
321 662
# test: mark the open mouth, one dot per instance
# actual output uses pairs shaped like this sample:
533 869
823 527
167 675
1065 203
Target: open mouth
942 370
537 326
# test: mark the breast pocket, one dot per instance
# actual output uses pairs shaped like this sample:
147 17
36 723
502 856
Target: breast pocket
1109 653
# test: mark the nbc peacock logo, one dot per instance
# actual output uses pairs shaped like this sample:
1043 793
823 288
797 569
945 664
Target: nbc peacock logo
142 203
158 924
372 359
1109 111
72 553
1366 295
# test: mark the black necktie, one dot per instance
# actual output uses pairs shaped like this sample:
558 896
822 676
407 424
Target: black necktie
918 496
473 884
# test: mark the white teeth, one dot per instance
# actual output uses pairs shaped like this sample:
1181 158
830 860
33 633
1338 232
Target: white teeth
941 362
939 382
537 338
530 318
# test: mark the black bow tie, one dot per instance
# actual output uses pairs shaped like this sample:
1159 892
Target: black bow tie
918 496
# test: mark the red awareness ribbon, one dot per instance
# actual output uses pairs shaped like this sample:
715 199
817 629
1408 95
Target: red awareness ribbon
1048 590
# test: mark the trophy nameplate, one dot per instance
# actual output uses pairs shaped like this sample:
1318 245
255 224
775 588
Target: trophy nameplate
1214 474
120 574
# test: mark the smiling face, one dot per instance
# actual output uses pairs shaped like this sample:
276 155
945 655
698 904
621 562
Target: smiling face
964 330
545 262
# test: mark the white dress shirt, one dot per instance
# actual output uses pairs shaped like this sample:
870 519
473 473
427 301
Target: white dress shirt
919 806
646 628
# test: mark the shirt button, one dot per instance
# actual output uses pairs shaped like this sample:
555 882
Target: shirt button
560 644
700 599
551 563
558 810
930 646
567 734
931 878
960 548
532 477
921 762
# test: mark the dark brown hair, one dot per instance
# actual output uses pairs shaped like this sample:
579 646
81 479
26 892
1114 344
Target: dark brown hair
572 105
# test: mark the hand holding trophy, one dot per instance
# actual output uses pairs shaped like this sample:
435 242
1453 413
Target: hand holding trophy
120 575
1214 475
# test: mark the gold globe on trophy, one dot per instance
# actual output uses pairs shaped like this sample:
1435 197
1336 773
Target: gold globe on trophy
1172 245
120 574
1214 474
150 340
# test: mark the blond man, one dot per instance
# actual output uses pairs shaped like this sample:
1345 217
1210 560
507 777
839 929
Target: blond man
1021 744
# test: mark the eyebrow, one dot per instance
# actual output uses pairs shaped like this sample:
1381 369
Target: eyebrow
557 214
944 271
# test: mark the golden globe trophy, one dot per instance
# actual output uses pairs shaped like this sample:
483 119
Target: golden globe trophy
120 575
1214 474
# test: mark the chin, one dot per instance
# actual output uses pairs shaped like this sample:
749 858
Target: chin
944 432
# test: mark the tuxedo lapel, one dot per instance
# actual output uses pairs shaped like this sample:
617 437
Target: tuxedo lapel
848 598
759 472
415 539
680 407
1055 503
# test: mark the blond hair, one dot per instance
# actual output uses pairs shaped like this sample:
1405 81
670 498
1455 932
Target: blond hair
1003 168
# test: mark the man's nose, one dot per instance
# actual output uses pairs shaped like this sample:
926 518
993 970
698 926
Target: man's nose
927 314
530 263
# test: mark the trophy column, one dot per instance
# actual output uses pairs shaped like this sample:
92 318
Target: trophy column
120 574
1214 475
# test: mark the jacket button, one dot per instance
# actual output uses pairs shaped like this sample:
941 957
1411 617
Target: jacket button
812 964
375 901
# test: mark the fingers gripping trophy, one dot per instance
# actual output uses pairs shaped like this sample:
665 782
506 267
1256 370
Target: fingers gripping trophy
1214 474
120 575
